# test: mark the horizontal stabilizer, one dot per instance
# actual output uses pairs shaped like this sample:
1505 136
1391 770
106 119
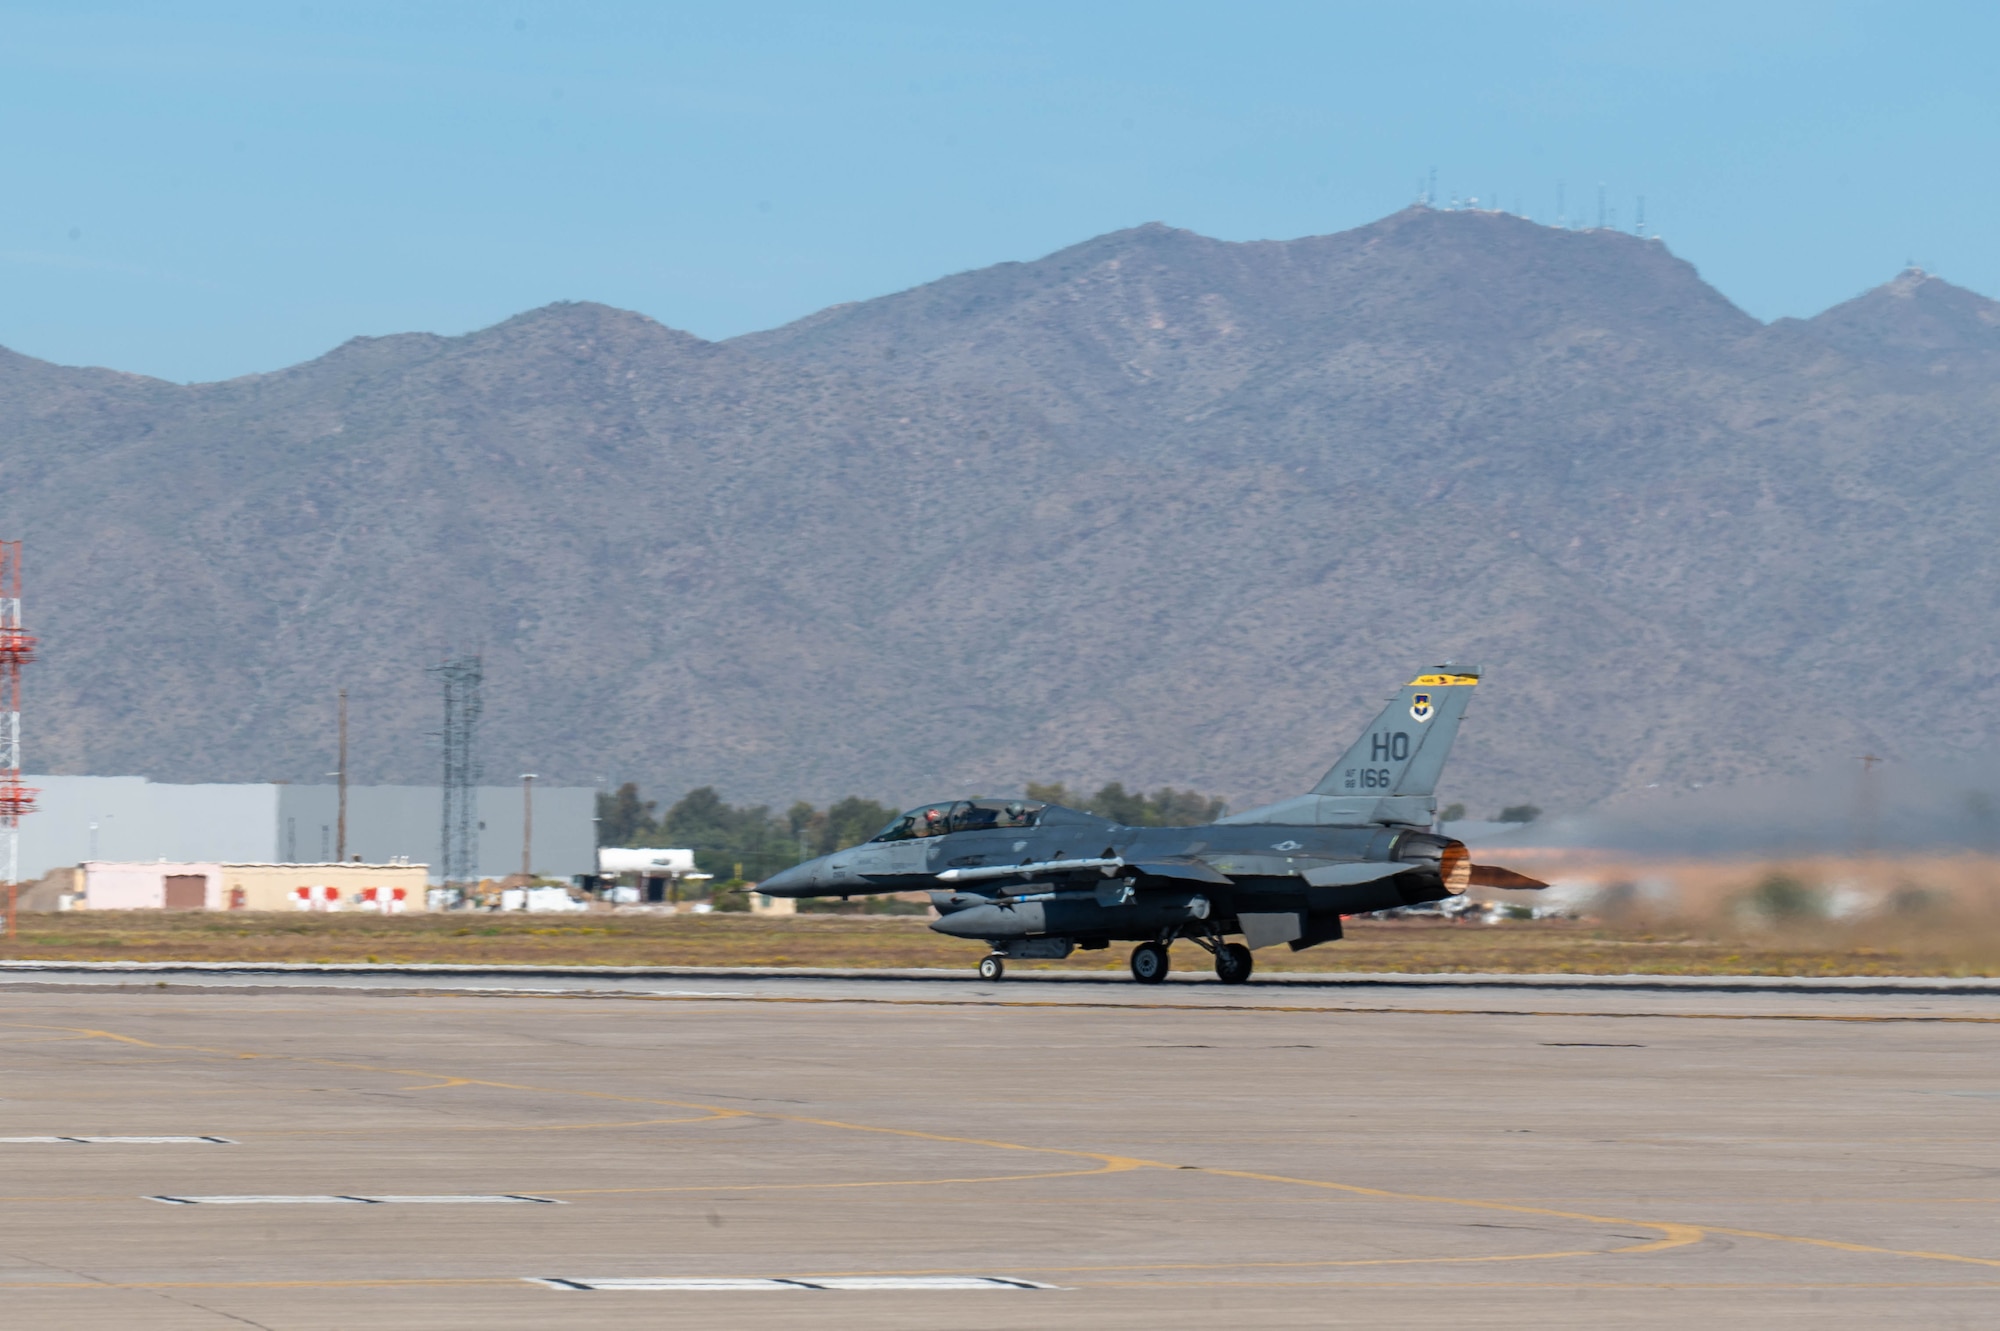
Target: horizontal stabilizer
1492 875
1346 875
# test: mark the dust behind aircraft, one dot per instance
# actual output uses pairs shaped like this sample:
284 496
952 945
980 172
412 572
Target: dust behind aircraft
1039 880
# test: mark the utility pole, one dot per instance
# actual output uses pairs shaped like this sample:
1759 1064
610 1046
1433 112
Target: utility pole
528 824
1867 808
340 821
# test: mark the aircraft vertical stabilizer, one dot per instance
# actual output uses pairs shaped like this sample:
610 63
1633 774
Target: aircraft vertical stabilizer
1390 774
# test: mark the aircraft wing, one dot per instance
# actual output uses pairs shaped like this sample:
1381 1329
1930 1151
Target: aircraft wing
1349 875
1190 870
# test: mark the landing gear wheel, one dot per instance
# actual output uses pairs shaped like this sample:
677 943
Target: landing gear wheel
992 968
1149 963
1233 963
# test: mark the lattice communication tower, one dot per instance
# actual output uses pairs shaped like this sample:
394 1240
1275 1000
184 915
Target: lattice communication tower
461 677
17 648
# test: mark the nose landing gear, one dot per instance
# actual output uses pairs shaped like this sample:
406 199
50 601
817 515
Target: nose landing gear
992 967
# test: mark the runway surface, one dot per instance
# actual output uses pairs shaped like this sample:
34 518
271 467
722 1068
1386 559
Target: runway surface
774 1151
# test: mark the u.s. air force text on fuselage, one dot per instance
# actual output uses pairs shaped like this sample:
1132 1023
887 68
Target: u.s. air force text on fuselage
1032 879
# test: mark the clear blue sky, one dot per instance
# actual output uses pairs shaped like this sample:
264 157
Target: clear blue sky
203 190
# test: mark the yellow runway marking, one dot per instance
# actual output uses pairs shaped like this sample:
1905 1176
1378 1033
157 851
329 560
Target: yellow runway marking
1839 1246
1682 1235
1673 1234
449 1083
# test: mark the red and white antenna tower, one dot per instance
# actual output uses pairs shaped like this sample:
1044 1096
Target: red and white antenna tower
17 648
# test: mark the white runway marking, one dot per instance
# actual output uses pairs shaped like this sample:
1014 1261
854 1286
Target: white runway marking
396 1199
251 1200
380 1199
119 1141
744 1284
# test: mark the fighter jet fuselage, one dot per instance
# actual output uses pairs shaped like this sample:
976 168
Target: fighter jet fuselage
1040 880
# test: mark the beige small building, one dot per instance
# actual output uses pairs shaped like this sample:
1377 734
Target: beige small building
386 888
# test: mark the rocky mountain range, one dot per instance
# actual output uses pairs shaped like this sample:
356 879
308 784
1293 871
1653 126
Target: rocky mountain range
1155 508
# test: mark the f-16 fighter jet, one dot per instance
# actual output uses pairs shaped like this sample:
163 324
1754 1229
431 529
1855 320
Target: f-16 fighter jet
1039 880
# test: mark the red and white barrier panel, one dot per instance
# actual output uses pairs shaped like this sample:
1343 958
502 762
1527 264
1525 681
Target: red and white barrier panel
316 898
388 900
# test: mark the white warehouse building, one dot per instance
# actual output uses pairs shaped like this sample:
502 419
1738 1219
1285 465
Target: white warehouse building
128 818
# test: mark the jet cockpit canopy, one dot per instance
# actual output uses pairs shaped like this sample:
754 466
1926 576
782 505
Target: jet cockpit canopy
928 820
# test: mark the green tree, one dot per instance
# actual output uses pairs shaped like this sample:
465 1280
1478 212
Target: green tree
726 837
731 893
808 826
623 819
1165 807
1518 813
847 822
721 834
852 821
1113 801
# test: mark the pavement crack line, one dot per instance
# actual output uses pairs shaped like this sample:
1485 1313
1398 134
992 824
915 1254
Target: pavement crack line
83 1281
1346 1010
1673 1234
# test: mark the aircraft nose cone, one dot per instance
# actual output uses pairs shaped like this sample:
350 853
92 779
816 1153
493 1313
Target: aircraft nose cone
792 882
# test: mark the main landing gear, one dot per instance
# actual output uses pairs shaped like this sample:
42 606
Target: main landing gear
1149 963
1232 960
1232 963
992 967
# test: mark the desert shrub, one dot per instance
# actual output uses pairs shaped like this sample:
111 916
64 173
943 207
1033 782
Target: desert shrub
1909 900
1780 896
